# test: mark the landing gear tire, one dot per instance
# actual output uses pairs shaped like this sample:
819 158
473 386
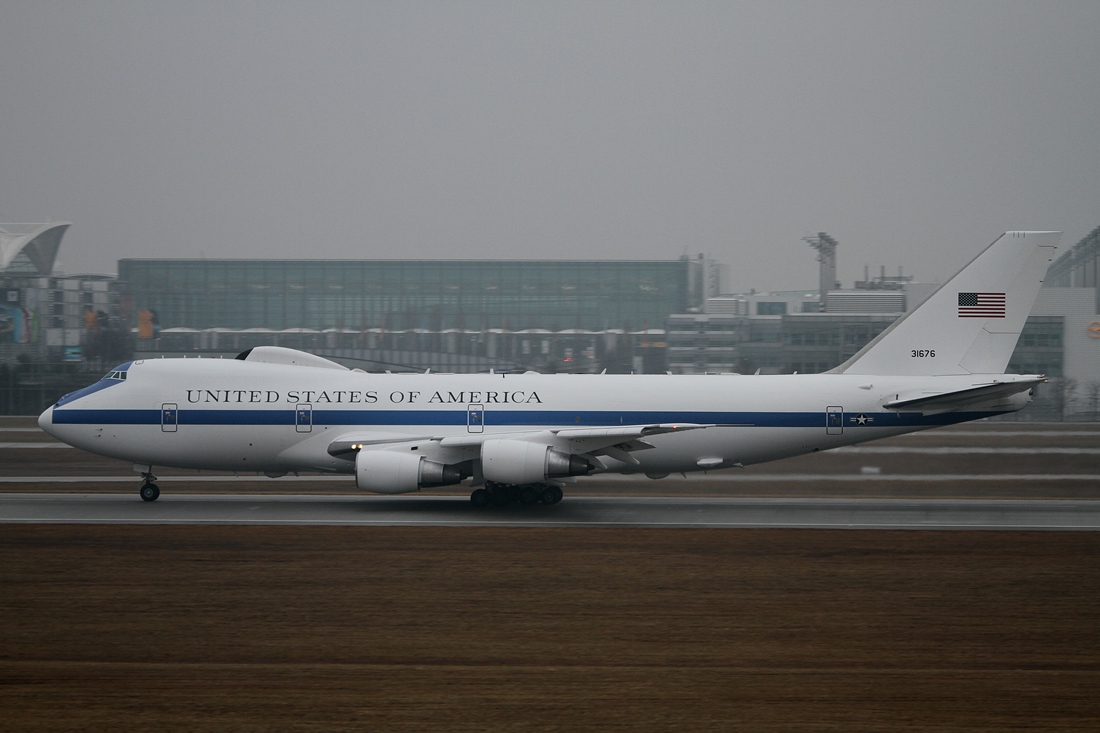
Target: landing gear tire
502 496
529 495
480 497
149 492
551 495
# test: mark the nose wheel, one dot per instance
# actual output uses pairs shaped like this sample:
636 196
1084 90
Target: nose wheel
149 491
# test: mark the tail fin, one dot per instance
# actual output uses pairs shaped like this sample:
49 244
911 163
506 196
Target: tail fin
970 324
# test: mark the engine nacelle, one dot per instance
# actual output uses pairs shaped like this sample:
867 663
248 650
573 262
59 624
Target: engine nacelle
519 462
392 472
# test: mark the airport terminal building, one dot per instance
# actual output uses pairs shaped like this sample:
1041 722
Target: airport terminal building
449 315
411 294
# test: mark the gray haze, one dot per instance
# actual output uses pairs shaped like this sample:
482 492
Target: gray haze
913 132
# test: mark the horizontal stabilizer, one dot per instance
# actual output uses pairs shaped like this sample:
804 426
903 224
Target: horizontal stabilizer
959 399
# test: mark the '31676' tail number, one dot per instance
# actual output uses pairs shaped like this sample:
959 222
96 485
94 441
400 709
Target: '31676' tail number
923 353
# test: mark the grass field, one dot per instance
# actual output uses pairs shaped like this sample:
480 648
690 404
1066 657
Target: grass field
413 629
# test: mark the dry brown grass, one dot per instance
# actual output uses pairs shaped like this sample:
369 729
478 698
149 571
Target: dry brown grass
419 629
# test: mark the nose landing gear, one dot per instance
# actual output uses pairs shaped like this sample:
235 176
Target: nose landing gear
149 491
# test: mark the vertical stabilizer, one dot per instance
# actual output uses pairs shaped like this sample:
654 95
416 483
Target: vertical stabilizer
971 324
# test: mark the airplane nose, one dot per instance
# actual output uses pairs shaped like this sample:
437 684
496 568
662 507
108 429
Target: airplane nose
45 420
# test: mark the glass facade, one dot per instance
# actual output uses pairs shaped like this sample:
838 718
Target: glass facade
1039 350
408 294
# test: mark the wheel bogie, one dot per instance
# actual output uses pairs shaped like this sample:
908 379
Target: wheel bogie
503 495
551 495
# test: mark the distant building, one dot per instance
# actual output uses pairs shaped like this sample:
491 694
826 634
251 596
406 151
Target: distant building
30 249
409 294
48 317
773 344
455 315
1077 267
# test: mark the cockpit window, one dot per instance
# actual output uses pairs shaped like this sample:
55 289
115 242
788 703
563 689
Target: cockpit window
115 375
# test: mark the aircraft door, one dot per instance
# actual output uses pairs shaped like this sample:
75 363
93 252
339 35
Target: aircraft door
475 419
834 420
169 417
303 418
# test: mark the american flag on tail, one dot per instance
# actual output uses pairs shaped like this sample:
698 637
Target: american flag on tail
981 305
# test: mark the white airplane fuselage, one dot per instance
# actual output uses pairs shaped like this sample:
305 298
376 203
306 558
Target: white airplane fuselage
240 416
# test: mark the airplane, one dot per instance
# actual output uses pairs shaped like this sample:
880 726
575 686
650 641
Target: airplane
523 437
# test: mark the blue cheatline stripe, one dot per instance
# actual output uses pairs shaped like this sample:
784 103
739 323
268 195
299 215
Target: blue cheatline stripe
106 417
236 417
505 418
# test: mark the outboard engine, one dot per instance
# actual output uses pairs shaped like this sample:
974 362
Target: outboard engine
391 472
518 462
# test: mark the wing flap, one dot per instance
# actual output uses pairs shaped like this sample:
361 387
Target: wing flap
630 431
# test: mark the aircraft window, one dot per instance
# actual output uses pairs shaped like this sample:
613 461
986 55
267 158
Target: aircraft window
115 375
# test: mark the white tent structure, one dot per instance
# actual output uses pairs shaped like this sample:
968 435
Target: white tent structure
33 245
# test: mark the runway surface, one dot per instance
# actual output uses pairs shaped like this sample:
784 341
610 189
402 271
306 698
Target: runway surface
581 511
985 475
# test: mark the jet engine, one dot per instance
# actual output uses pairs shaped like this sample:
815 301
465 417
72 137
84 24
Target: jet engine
519 462
391 472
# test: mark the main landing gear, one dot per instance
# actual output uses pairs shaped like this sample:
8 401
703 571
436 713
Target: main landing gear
528 494
149 491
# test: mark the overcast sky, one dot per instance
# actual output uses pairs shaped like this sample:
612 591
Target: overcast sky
913 132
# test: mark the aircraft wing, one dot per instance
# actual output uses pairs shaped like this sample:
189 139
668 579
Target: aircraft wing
580 440
616 441
959 399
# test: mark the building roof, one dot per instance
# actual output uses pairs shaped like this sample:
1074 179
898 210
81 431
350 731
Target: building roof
38 243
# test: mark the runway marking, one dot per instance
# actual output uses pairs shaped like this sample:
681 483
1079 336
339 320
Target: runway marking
912 514
212 478
797 477
998 433
734 478
950 450
939 450
576 525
